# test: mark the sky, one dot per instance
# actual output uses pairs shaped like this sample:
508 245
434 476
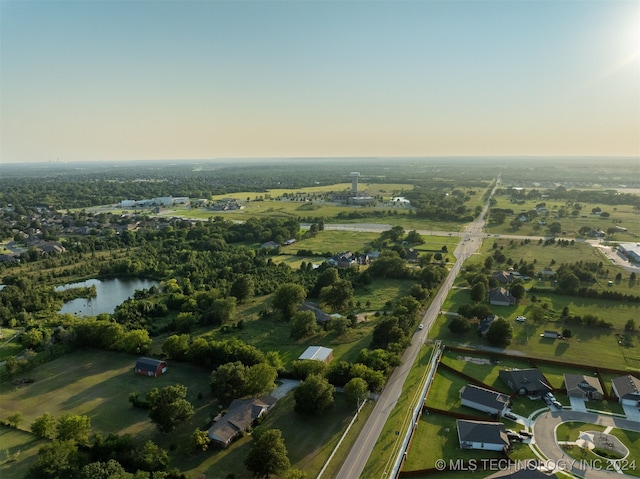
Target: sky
126 80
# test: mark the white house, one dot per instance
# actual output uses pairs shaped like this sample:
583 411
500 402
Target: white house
627 390
483 399
488 436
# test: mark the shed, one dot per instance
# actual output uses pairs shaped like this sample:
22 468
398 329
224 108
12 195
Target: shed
318 353
150 367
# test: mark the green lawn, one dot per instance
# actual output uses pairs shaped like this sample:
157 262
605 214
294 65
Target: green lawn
9 345
18 453
437 438
392 434
97 384
624 215
309 441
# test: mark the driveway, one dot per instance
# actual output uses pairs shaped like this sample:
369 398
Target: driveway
284 388
632 412
577 404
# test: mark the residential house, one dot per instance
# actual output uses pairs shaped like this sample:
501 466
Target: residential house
525 381
585 387
412 255
484 400
150 367
318 353
501 297
627 390
488 436
343 260
321 316
241 415
503 277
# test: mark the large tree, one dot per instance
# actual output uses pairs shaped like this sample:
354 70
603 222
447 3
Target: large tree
73 427
500 332
303 324
314 395
478 292
268 454
356 391
169 406
287 298
44 426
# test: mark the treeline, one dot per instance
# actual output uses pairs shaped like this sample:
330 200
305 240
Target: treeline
446 205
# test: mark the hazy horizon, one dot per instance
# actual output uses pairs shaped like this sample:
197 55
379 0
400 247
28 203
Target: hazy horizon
220 80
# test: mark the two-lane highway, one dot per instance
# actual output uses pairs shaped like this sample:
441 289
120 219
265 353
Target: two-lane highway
361 450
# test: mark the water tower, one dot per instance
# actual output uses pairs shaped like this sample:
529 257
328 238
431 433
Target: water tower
354 182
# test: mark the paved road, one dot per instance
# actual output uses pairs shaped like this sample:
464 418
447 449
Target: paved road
357 459
544 434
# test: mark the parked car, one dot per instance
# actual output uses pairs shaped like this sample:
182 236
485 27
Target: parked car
515 437
521 319
510 415
526 433
557 404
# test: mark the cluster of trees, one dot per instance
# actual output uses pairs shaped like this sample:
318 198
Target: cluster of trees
74 453
441 204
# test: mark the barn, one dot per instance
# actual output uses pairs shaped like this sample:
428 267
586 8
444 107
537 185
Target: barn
150 367
318 353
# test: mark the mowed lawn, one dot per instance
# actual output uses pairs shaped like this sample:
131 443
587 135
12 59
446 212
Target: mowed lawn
97 384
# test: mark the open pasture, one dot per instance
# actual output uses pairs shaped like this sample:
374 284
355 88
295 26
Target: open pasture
97 384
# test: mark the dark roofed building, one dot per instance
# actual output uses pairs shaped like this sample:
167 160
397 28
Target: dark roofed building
483 399
150 367
626 389
501 297
525 381
489 436
502 277
241 415
321 316
585 387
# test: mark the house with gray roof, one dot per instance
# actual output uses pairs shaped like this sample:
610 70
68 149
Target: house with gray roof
627 390
503 277
321 316
485 400
501 297
240 416
585 387
488 436
525 381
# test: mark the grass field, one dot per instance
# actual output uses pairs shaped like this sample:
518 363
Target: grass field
623 215
18 452
97 384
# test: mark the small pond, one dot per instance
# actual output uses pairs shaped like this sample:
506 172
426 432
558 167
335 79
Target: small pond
110 293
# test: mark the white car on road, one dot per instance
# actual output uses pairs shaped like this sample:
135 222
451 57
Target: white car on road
521 319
